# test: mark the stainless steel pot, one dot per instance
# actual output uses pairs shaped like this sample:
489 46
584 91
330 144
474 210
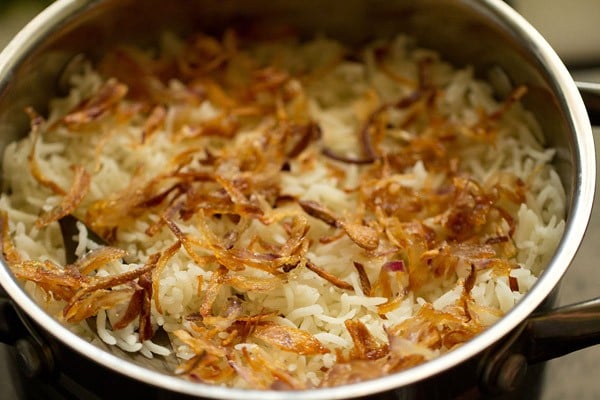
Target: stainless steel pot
487 34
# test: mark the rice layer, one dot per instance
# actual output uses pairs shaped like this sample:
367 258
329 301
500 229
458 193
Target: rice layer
306 214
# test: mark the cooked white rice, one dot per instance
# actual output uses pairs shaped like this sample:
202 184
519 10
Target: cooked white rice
338 100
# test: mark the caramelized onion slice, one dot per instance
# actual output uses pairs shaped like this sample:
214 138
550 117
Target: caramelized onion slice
61 284
134 309
199 344
334 280
290 339
154 122
318 211
78 190
36 122
366 347
364 236
253 284
365 283
9 251
145 322
345 159
97 105
91 304
258 368
160 265
353 371
98 258
212 290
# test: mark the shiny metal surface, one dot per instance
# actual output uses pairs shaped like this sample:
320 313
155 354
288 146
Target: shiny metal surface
463 31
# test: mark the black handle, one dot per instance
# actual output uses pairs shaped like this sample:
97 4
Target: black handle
541 337
563 331
590 93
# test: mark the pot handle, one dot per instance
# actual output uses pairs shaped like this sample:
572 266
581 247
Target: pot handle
543 336
590 93
562 331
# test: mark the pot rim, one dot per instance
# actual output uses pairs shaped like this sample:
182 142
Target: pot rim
584 183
